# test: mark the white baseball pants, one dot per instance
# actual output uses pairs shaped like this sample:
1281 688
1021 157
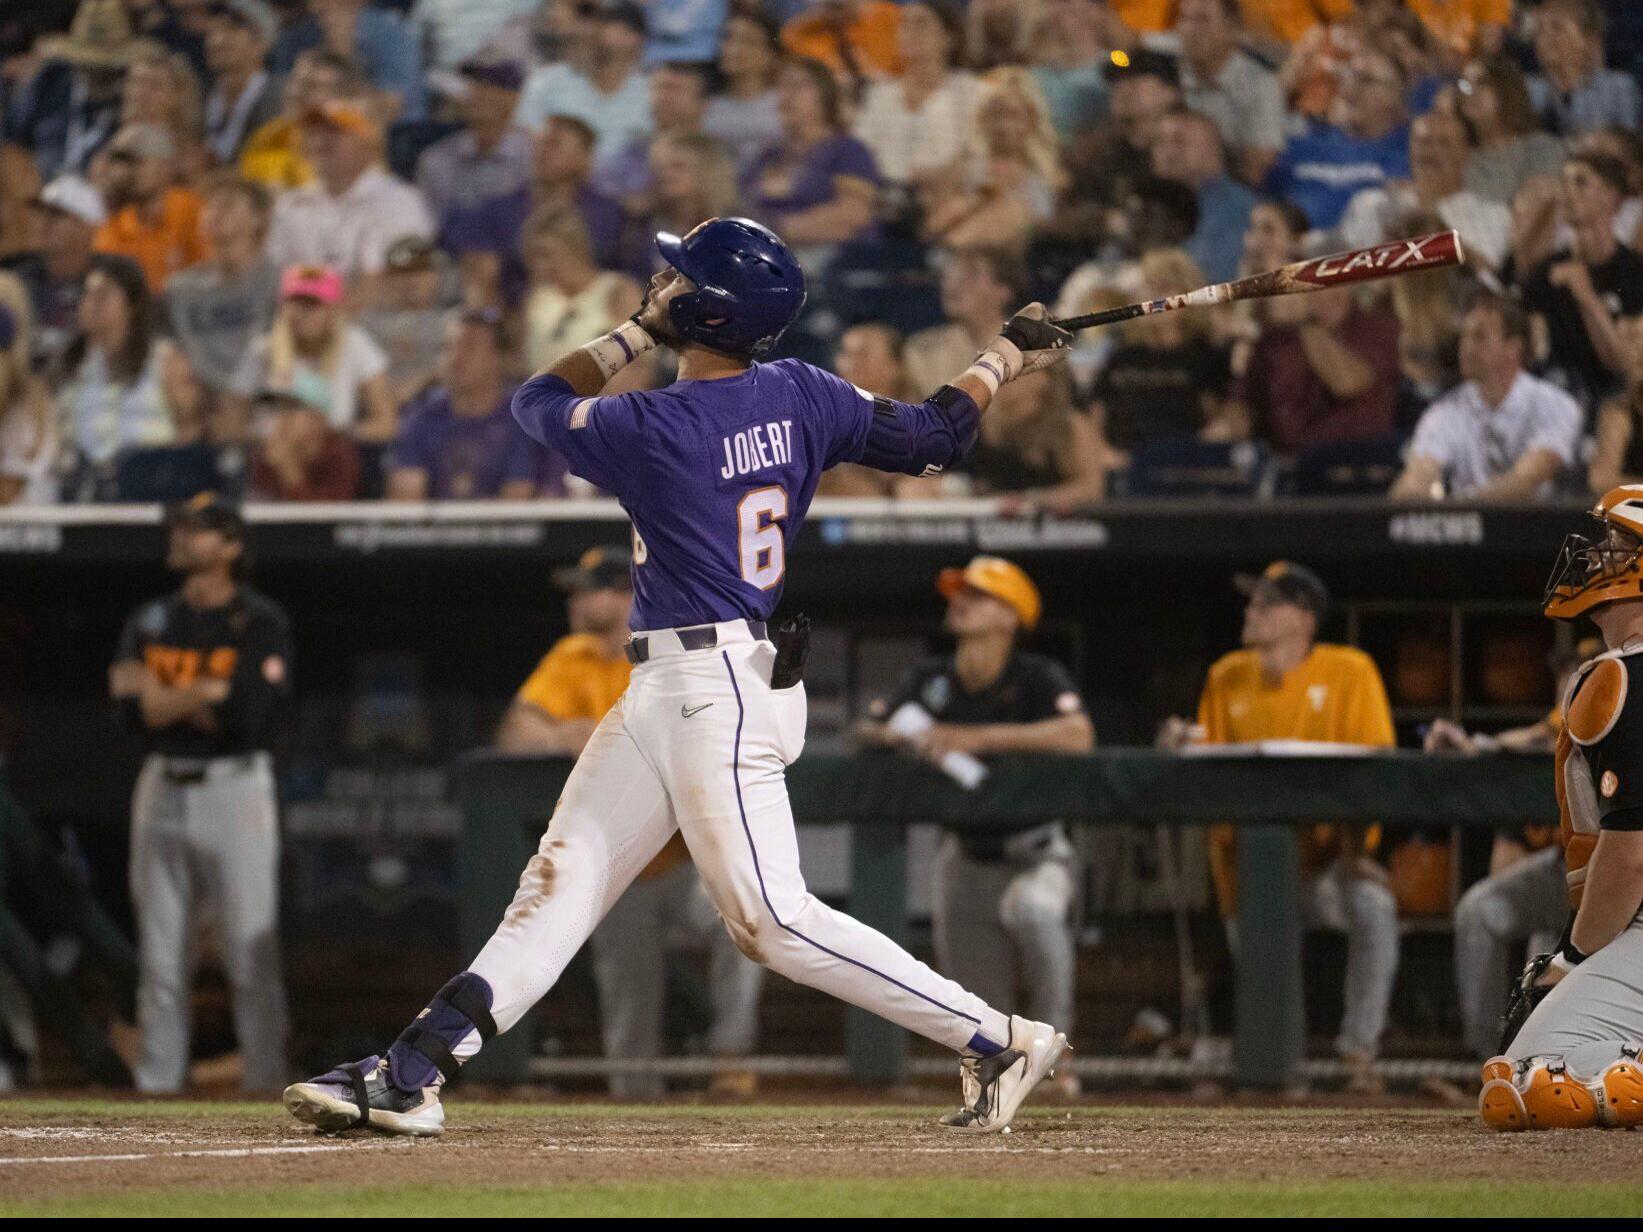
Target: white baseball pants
700 743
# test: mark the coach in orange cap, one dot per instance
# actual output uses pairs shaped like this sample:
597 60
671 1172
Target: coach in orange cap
1002 902
1286 685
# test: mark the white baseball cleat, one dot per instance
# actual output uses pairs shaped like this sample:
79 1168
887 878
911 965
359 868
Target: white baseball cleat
995 1086
360 1094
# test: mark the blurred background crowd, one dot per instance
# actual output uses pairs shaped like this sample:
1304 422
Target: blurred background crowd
303 249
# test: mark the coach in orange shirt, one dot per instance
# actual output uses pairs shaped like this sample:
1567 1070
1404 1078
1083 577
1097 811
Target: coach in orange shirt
151 220
1286 685
555 711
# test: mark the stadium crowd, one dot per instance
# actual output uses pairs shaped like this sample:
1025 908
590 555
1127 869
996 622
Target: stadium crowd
303 250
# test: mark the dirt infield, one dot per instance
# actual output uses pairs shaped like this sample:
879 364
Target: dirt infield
162 1156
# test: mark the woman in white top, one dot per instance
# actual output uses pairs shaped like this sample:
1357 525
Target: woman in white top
744 115
28 423
571 299
918 125
315 353
110 398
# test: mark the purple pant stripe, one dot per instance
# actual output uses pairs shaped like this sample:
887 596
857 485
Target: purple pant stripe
736 774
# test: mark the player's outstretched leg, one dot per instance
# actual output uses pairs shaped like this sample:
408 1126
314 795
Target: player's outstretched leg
724 765
612 819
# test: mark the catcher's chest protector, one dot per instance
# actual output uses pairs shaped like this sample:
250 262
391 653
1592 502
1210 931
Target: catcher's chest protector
1599 764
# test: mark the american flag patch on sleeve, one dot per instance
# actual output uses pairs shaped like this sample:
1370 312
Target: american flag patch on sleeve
580 412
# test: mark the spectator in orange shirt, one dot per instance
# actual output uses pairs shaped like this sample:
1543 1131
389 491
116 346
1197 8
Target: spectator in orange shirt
855 38
151 219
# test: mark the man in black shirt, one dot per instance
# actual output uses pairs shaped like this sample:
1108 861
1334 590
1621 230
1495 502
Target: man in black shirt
1576 295
1002 901
202 675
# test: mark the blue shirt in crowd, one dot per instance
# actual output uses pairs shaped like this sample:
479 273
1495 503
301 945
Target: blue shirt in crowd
1320 168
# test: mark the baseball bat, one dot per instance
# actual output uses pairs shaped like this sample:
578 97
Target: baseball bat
1424 252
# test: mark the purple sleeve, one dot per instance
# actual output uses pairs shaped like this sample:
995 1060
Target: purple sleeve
602 438
852 157
887 435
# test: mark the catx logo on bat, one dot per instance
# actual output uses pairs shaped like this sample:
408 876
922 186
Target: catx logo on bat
1400 254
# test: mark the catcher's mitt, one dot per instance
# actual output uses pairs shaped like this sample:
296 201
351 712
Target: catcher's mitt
1527 993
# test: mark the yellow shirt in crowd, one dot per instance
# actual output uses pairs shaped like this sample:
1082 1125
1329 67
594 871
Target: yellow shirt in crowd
272 156
577 680
1333 696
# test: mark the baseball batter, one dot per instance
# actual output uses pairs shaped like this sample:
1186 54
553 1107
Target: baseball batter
556 711
1575 1024
716 472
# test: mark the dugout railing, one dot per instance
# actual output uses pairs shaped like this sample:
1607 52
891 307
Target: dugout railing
879 794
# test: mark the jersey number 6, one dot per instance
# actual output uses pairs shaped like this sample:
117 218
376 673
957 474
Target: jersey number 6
759 536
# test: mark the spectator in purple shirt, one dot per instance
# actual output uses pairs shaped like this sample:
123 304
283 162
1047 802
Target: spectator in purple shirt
817 185
460 441
488 159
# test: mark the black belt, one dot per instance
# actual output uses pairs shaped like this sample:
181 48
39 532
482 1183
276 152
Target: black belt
697 637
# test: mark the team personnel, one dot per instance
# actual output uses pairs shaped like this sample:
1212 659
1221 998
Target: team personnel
717 472
1286 685
1002 904
556 711
1575 1024
1524 895
202 674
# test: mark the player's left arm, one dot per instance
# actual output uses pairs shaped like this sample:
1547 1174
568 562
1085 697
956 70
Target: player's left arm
260 681
910 438
1614 875
1614 888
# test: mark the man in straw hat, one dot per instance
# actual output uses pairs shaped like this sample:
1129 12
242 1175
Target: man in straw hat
71 106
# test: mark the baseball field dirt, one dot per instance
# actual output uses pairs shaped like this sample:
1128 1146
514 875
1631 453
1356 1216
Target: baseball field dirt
77 1156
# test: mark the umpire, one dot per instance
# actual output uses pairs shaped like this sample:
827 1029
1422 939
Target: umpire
1002 902
202 674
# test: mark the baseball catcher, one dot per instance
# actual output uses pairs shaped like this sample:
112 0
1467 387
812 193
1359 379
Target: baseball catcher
1574 1025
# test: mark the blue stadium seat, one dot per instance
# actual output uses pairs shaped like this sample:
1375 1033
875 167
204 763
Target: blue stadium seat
167 474
883 280
1346 468
407 139
1186 467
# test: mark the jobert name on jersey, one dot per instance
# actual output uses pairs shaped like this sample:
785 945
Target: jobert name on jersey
758 447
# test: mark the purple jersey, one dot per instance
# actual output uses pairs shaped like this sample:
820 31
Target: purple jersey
718 475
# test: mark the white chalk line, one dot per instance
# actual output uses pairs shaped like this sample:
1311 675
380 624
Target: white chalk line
244 1152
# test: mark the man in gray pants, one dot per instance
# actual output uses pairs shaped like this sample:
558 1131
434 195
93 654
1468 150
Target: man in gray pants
1525 896
1001 904
201 674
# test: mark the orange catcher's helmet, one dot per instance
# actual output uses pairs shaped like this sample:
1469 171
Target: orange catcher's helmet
1590 573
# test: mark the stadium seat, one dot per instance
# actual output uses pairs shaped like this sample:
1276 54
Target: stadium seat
885 281
407 139
167 474
1186 467
1345 468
